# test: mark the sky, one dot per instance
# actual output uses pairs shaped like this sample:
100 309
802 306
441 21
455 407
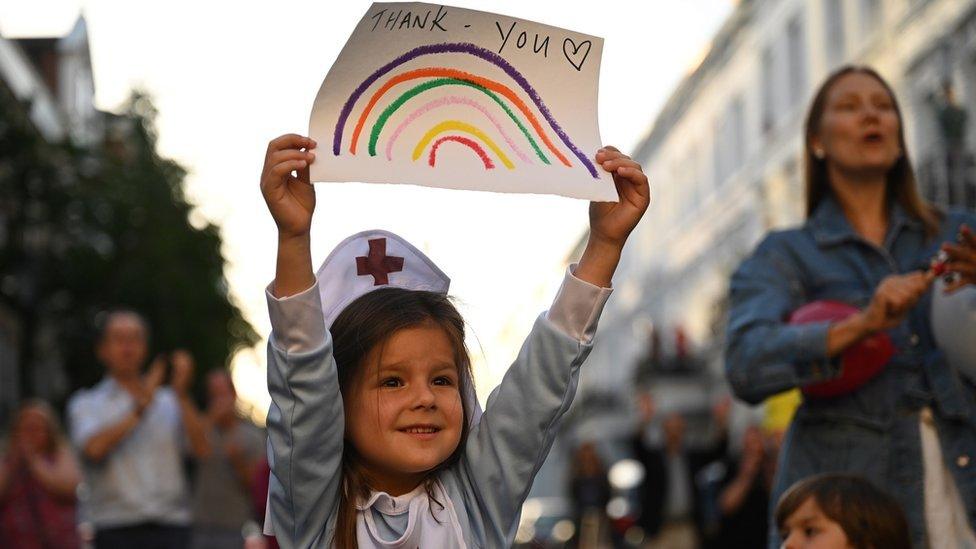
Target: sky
227 78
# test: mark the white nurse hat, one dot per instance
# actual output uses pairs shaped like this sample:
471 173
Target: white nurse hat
371 260
376 259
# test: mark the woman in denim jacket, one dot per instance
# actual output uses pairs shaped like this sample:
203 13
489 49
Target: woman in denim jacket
867 241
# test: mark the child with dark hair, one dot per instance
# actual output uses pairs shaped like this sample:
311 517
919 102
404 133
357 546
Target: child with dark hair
375 435
838 511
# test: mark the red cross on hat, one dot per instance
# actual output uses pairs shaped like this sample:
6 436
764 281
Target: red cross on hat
377 263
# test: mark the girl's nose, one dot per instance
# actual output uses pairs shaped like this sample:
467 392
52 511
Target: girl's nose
424 396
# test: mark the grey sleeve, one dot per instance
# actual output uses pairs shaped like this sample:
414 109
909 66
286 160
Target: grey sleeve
508 446
305 422
577 307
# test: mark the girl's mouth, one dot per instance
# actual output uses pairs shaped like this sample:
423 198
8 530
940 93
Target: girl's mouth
422 431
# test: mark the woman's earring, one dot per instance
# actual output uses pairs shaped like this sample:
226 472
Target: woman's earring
819 153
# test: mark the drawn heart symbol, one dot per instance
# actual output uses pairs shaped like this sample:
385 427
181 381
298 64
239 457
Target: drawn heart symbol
569 43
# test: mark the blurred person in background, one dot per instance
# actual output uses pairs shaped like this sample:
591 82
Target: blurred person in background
589 489
741 491
39 478
133 435
670 504
222 505
868 241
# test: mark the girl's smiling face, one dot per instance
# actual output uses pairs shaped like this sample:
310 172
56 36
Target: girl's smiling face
809 528
403 411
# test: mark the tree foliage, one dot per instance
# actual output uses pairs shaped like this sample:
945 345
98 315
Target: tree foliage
86 229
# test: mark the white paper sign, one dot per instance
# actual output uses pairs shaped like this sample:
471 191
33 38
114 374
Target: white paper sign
447 97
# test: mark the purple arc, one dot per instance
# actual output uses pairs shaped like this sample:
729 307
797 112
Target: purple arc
470 49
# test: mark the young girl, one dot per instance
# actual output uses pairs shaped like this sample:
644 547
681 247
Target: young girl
374 433
835 511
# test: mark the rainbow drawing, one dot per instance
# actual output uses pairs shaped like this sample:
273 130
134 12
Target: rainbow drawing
462 127
542 146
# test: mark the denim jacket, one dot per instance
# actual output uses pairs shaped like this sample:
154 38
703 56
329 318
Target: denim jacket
873 431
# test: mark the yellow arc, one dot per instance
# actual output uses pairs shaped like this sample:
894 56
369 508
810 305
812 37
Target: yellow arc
449 125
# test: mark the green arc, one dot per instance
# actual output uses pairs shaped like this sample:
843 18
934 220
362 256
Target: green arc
374 134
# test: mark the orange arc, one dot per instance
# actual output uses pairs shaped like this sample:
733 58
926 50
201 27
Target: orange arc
461 75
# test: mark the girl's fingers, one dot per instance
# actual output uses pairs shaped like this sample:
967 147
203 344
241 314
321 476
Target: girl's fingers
289 154
607 156
634 175
291 141
304 176
283 169
608 153
635 189
611 165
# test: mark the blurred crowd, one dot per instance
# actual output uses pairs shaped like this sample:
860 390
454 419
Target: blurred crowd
140 465
713 493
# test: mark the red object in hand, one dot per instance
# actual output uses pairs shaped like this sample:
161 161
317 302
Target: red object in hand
939 264
859 364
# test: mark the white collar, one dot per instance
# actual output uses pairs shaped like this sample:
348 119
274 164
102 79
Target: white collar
392 505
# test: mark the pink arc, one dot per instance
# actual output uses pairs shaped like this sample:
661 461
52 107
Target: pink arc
452 100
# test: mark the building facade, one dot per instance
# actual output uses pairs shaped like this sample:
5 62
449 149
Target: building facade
724 155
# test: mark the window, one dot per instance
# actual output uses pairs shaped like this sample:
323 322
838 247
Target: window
834 20
729 150
796 50
738 133
871 15
768 91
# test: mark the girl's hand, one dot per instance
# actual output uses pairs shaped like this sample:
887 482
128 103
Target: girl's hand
612 222
962 259
290 199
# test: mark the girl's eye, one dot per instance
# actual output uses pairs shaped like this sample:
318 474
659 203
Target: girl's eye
443 380
809 531
391 382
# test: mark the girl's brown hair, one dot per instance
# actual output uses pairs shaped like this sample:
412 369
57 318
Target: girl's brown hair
870 518
366 323
901 184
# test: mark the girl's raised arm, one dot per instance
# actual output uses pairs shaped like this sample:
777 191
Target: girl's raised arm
305 422
511 441
291 201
